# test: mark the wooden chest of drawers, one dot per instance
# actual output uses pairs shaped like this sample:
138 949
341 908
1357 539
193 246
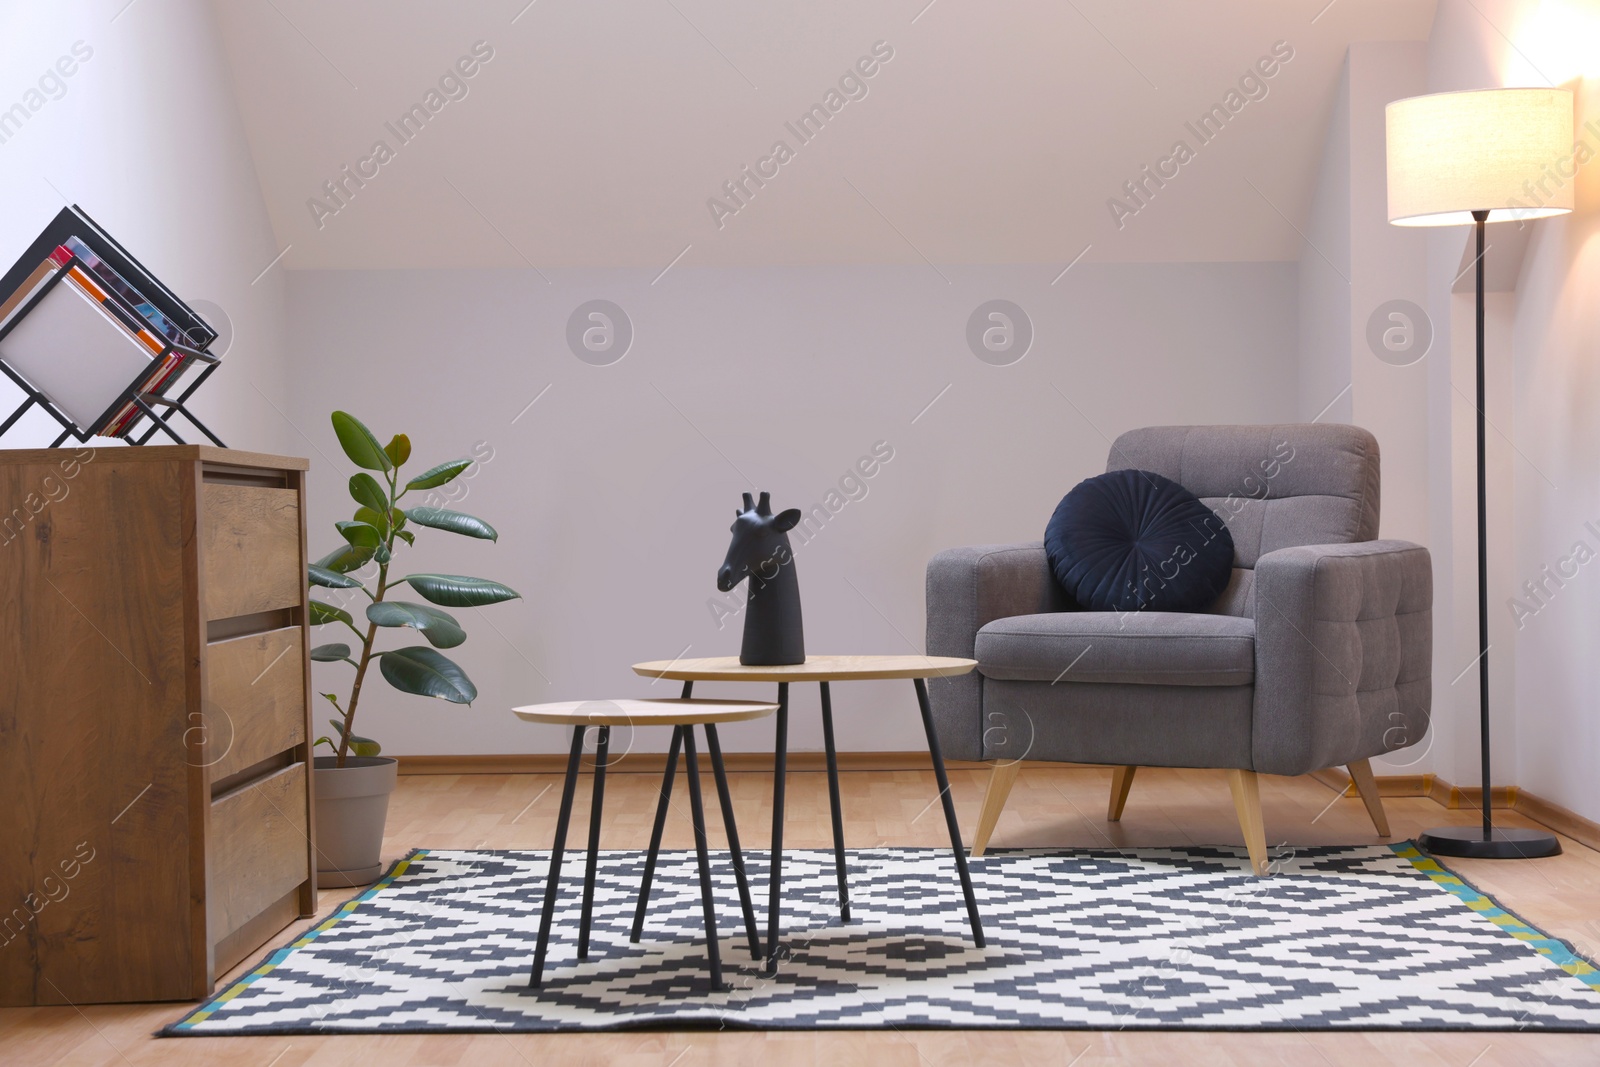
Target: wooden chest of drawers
155 786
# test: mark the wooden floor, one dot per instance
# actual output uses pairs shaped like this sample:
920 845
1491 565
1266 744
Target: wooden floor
1049 806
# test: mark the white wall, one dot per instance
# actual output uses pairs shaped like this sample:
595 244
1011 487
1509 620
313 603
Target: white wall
1557 390
998 133
1387 264
1324 299
1352 264
145 137
614 492
1353 267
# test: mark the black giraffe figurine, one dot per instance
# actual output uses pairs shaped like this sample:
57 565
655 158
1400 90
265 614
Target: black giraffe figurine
773 634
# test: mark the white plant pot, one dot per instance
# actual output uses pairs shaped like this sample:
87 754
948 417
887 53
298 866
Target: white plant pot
352 805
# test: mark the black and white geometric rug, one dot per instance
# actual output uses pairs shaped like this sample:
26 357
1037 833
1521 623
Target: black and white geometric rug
1376 937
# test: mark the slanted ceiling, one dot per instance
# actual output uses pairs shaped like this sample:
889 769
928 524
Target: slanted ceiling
602 133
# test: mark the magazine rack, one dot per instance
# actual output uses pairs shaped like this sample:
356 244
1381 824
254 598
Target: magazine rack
146 393
132 295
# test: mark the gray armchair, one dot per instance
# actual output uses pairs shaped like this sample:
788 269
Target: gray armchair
1318 653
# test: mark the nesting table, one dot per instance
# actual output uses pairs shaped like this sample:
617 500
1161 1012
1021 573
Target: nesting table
683 715
822 670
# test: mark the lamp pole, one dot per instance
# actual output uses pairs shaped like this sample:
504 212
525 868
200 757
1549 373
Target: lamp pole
1479 220
1507 842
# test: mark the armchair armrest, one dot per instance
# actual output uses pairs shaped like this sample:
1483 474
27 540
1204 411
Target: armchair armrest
971 587
966 589
1344 653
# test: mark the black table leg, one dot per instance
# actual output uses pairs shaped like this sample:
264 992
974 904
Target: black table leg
555 857
714 746
691 767
775 875
949 811
597 802
655 833
833 800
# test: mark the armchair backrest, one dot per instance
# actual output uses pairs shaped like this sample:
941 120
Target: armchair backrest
1274 486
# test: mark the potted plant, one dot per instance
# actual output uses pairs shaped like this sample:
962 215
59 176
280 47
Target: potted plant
353 784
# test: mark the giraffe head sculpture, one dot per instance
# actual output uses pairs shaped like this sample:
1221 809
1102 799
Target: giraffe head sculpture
760 551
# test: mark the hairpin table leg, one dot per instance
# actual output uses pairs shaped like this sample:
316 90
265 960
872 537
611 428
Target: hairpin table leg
554 880
714 746
833 800
655 833
697 809
602 744
775 871
949 811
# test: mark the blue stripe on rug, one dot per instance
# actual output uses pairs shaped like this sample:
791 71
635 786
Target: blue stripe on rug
277 956
1559 952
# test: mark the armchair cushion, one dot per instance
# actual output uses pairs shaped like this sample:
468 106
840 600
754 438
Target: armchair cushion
1144 647
1131 540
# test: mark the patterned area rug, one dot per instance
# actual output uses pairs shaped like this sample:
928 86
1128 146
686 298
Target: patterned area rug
1374 937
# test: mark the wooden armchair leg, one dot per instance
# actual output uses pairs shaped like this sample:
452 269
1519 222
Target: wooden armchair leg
1121 782
1367 786
1002 775
1247 802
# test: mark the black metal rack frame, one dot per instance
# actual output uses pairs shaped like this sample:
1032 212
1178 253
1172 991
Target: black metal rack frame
144 401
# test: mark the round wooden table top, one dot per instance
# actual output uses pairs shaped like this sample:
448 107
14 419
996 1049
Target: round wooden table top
814 669
665 711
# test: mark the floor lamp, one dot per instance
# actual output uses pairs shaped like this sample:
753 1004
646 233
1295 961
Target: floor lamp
1477 157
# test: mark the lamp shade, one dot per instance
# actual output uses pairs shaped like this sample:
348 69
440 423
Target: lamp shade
1495 150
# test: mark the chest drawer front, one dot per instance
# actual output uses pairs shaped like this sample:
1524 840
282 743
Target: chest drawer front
250 549
256 849
255 699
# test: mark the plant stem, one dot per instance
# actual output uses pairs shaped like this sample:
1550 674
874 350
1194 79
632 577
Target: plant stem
361 669
395 493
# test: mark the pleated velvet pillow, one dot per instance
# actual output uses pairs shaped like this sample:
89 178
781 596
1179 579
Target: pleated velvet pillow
1132 540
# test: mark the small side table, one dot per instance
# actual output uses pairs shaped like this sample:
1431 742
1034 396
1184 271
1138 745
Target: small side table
825 669
683 716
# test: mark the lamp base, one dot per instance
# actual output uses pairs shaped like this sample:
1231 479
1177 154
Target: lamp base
1502 844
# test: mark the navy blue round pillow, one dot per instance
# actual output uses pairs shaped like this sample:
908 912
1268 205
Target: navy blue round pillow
1132 540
